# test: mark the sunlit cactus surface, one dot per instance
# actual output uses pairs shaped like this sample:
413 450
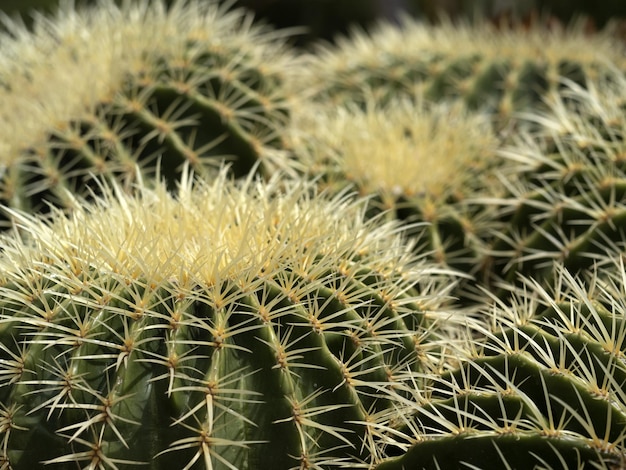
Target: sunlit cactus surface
246 325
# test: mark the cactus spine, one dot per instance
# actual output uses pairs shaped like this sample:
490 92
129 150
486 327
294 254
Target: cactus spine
246 325
118 90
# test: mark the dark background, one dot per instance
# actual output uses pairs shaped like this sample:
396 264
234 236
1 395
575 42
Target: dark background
326 19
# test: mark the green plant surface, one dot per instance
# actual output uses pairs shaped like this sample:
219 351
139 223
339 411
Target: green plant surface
566 184
502 71
137 90
542 385
243 325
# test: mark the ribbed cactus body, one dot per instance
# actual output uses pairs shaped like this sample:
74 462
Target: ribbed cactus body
498 70
565 188
131 91
236 326
494 453
543 387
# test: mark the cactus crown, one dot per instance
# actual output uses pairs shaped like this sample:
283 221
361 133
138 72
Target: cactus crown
417 162
260 318
454 39
215 233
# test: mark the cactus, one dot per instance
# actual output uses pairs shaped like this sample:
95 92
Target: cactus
500 71
416 162
565 187
543 388
110 90
239 324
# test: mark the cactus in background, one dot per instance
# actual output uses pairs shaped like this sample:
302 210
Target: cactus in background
236 325
542 388
417 163
565 188
501 71
109 90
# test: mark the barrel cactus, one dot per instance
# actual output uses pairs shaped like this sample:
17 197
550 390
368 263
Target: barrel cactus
503 71
417 162
565 187
137 90
245 325
542 388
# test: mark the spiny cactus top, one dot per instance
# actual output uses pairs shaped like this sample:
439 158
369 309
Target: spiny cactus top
503 71
542 387
251 325
418 162
566 186
111 89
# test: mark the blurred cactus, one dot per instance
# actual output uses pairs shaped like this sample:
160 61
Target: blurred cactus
234 325
501 71
128 92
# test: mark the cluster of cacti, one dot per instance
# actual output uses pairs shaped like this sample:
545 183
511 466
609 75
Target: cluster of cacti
133 91
221 326
500 71
314 316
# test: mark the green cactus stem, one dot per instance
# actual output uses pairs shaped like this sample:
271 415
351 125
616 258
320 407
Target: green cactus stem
235 325
542 388
136 90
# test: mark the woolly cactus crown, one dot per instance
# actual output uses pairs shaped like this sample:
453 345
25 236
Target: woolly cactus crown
242 325
404 148
217 232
